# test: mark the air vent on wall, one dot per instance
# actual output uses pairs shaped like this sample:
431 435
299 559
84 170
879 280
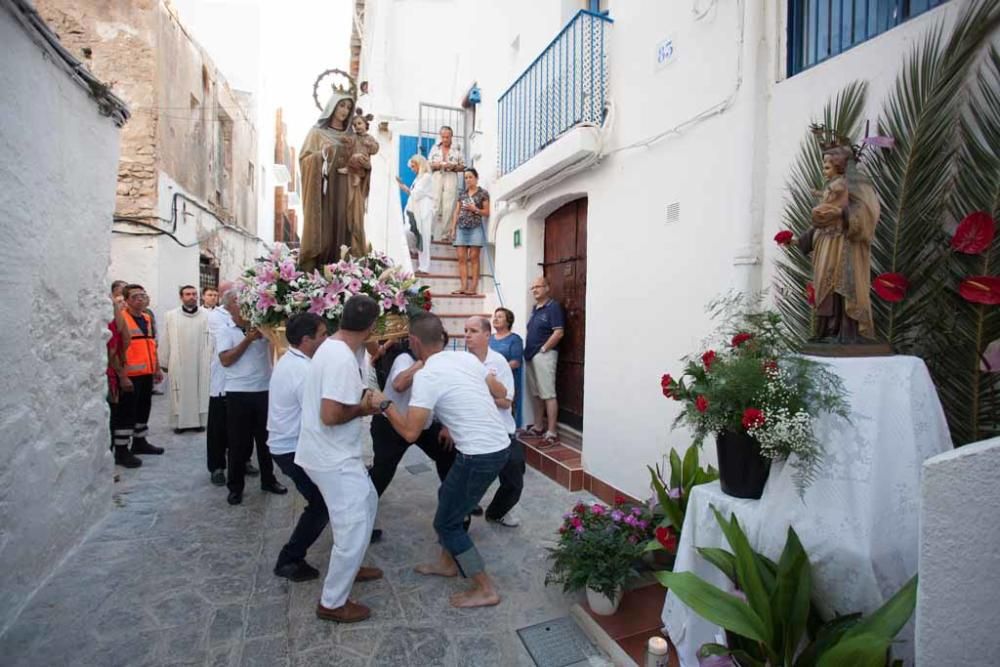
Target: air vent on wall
673 212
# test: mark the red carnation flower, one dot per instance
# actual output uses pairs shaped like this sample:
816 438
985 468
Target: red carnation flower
427 305
974 234
741 338
619 499
784 237
752 417
666 536
891 286
667 384
981 289
701 403
707 359
810 294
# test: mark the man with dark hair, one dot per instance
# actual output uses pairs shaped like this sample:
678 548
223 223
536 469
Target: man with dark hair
186 354
329 450
246 357
142 367
305 333
209 298
461 392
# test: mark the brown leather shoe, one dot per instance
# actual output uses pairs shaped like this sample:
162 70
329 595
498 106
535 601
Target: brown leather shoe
351 612
368 574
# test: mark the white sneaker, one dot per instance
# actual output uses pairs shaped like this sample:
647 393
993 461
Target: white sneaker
510 520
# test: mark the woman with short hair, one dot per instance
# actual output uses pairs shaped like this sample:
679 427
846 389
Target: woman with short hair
511 346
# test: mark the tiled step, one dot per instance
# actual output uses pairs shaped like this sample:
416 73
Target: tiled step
562 464
447 304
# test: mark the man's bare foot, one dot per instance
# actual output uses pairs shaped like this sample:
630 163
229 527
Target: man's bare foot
476 597
438 569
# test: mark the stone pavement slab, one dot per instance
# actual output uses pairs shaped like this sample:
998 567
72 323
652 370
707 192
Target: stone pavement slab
175 576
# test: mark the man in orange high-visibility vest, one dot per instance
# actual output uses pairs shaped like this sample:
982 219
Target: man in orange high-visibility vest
143 368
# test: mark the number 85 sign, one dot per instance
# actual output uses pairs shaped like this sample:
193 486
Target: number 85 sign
665 53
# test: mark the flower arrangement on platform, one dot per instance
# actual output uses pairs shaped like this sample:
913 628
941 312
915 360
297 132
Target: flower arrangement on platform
273 289
669 503
751 381
599 546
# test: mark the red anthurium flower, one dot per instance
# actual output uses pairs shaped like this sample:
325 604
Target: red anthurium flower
784 237
741 338
981 289
891 286
707 359
974 234
701 403
666 536
810 294
752 417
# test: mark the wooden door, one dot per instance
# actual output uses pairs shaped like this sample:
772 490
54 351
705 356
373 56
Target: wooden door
565 265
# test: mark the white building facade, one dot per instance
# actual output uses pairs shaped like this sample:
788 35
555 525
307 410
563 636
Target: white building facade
637 153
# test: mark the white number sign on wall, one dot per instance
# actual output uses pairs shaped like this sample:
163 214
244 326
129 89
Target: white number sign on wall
666 53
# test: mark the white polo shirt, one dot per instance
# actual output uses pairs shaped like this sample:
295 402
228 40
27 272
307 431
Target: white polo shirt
218 318
284 401
496 363
252 371
453 386
401 399
334 374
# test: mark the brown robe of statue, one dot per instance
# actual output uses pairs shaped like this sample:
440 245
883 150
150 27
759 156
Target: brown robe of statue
360 169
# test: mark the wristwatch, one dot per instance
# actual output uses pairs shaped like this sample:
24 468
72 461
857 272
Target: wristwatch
384 405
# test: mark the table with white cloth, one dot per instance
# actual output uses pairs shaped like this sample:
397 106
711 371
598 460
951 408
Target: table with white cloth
857 521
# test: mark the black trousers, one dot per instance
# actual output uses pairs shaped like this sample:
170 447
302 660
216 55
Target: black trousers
132 414
215 436
389 448
313 519
246 424
511 483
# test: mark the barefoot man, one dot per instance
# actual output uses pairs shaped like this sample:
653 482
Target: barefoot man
460 391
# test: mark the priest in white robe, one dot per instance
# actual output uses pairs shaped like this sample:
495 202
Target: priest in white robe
186 354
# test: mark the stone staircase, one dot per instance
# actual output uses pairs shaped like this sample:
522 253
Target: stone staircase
442 281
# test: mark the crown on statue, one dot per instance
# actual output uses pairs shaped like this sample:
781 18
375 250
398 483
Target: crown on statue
829 139
349 87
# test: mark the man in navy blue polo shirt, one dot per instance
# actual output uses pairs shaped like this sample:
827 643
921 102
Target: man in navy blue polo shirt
545 329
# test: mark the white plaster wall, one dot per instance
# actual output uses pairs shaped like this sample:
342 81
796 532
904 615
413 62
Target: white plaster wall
57 191
957 612
648 281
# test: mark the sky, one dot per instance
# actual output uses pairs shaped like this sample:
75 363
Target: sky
274 49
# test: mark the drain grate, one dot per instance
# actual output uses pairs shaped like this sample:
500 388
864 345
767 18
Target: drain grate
556 643
418 468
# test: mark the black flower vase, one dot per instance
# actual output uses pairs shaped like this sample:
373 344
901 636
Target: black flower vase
743 470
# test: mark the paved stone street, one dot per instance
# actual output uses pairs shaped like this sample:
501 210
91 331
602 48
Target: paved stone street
174 575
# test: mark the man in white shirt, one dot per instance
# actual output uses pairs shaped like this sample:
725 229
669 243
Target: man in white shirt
329 450
446 164
216 438
477 342
246 357
305 333
460 391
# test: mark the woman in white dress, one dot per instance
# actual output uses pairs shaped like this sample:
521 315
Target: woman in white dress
421 206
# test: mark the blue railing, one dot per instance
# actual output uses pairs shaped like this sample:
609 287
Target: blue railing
567 84
821 29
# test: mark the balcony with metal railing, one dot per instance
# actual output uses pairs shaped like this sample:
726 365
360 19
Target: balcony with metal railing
564 87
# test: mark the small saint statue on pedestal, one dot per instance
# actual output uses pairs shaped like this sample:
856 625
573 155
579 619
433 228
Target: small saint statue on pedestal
839 240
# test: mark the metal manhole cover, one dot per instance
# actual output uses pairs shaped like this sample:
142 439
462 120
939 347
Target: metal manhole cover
418 468
556 643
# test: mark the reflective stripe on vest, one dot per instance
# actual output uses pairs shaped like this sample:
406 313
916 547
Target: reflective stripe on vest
140 357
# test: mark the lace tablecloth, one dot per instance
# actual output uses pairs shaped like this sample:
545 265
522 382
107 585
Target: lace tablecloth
857 522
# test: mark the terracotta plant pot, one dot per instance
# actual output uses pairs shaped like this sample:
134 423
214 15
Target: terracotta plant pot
601 605
742 470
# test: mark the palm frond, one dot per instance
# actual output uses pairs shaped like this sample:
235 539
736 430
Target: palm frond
915 179
843 115
970 396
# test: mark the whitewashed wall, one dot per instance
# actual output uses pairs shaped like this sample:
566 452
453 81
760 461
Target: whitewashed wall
57 192
647 280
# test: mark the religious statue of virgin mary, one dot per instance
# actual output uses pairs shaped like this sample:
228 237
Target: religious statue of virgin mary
323 165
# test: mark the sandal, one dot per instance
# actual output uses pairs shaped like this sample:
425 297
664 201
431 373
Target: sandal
536 432
550 439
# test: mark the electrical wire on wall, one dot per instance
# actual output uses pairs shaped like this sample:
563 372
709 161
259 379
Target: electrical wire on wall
148 221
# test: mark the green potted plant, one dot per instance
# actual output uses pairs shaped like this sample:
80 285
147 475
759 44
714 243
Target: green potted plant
758 397
771 619
597 550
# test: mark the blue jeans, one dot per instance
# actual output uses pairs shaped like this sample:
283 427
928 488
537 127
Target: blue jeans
466 484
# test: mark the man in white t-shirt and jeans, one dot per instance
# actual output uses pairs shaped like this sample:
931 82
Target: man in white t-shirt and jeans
460 391
477 342
305 333
329 450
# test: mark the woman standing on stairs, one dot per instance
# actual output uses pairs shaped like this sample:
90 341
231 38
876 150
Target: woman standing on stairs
469 231
421 207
